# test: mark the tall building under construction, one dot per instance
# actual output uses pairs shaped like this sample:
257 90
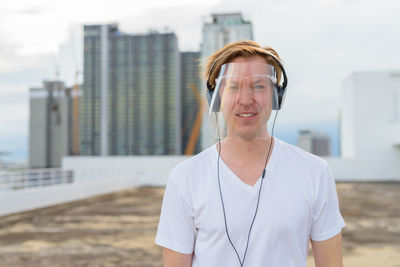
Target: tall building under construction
131 93
53 124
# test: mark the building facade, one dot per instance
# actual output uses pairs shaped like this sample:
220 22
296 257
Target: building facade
53 124
192 103
314 142
131 93
219 31
369 127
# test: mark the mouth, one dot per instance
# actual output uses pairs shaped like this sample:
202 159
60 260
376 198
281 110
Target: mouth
246 114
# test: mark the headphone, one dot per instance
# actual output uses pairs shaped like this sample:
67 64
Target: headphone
278 95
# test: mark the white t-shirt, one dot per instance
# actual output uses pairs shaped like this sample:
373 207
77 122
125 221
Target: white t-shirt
298 202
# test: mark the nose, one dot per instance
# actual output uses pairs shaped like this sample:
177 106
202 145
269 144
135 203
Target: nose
246 94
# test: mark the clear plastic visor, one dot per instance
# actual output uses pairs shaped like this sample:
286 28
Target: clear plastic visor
242 100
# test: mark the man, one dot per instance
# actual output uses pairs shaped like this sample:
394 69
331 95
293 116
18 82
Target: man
251 199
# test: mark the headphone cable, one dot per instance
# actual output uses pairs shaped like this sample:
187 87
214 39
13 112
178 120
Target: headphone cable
259 191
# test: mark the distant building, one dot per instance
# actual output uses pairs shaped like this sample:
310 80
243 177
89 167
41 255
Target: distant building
53 124
191 102
370 127
131 93
314 142
224 29
219 31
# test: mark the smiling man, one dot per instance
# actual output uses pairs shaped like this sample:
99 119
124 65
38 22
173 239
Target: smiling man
251 199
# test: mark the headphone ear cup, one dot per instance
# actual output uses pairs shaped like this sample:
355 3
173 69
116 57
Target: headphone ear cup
217 102
209 96
275 98
281 96
278 97
209 86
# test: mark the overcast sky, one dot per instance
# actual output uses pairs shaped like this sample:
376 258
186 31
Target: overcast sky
320 41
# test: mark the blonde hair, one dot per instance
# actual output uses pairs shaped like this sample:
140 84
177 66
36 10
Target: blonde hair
239 49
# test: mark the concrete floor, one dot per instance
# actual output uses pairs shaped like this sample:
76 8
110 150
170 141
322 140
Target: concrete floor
118 229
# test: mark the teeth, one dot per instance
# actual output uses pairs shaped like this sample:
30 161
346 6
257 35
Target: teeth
246 115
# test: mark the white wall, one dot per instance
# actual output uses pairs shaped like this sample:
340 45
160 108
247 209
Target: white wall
138 170
92 176
370 130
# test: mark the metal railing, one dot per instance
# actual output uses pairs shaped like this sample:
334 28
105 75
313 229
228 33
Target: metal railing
35 178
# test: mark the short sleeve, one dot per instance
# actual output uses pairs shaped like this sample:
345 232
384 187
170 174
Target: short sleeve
176 229
326 220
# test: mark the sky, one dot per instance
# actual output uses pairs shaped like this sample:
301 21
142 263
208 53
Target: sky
321 42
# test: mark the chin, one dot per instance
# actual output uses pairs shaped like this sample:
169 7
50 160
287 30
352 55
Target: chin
250 136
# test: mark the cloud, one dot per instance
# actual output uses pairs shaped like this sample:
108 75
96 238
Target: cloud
186 21
320 41
34 10
47 36
32 40
14 103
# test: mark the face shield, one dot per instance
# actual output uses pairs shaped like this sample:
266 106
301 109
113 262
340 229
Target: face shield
242 100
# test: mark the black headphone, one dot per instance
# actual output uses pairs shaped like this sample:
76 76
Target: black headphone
279 90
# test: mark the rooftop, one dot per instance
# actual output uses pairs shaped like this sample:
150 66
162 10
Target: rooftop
118 229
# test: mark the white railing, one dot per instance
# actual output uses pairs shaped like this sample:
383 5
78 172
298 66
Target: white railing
88 177
34 178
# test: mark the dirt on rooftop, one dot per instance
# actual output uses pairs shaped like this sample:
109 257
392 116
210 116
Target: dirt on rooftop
118 230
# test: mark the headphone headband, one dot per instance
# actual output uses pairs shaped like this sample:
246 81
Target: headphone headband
279 92
211 87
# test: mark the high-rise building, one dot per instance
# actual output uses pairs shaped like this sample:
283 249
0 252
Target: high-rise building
314 142
224 29
192 102
131 93
219 31
53 124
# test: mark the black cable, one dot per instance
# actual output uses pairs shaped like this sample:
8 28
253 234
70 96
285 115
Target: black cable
272 135
259 191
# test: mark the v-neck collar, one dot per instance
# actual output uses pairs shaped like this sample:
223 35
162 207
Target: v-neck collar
226 171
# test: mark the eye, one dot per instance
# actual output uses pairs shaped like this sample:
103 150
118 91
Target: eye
259 87
233 87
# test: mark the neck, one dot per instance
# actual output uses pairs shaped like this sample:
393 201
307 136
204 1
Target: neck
246 150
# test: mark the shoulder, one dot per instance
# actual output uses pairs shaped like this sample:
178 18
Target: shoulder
296 156
306 169
193 166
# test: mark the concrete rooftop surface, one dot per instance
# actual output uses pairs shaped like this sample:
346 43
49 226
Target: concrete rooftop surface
118 230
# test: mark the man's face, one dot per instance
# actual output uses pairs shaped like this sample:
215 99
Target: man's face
246 98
